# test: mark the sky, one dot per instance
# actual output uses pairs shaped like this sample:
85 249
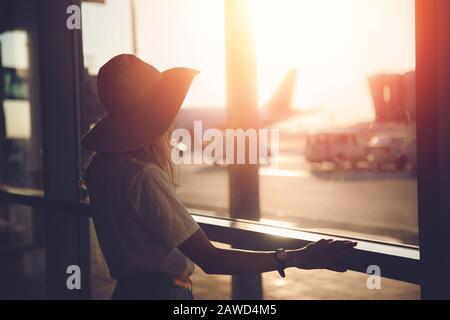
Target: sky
334 46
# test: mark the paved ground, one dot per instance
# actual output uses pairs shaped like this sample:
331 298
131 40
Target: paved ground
306 285
360 202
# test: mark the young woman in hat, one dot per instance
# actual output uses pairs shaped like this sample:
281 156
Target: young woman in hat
147 236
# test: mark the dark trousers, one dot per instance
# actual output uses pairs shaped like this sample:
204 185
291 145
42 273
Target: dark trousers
150 286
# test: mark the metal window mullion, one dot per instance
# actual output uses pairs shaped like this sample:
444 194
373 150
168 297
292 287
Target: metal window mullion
242 113
67 236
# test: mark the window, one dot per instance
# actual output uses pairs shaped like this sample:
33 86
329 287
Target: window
355 63
339 105
168 34
20 115
322 73
346 161
21 227
112 18
99 19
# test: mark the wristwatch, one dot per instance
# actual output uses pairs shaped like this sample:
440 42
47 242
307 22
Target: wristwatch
281 257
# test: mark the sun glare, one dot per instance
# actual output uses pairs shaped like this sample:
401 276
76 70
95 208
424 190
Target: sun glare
335 46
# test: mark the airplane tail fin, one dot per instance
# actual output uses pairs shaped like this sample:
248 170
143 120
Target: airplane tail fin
279 106
284 94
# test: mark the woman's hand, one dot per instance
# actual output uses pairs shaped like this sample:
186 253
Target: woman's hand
323 254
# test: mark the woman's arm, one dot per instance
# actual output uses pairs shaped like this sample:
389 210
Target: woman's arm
324 254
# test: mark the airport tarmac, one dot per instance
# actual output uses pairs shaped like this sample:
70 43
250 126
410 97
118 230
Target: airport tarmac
361 203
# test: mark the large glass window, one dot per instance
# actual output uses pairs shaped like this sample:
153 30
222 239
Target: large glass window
348 157
21 228
336 78
166 34
191 34
111 17
20 115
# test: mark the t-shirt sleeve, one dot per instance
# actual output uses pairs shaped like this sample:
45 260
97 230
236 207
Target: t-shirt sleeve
158 206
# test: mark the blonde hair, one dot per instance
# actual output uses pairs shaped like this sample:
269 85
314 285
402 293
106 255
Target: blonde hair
157 153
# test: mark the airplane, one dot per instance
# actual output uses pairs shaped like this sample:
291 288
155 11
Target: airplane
279 108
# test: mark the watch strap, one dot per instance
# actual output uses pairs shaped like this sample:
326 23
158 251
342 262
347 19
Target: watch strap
281 257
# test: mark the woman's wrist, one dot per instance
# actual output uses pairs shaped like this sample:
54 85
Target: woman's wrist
292 260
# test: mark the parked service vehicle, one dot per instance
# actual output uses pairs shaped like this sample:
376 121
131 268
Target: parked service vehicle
263 159
335 147
392 149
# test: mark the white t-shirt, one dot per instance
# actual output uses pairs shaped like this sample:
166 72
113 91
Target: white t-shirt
138 217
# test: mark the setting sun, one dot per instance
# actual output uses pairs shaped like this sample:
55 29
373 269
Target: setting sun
334 46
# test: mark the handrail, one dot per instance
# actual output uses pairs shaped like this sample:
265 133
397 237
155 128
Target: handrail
398 262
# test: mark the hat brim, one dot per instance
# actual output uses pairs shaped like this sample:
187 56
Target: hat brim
142 126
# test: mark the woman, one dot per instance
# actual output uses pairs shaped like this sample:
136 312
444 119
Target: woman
147 236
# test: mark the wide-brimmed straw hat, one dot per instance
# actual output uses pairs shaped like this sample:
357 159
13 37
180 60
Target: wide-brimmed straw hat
141 102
